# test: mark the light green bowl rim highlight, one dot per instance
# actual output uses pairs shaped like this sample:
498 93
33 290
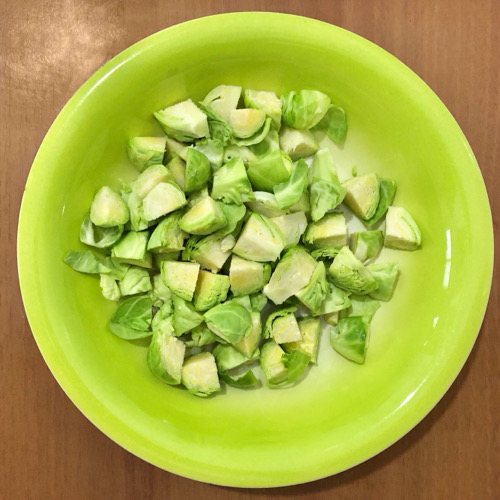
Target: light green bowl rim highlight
119 430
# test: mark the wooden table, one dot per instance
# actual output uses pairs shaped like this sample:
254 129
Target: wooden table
48 449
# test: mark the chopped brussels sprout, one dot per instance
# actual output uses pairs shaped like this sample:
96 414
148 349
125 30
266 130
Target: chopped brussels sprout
230 321
260 240
362 195
109 287
197 171
99 237
310 329
329 231
256 138
146 151
203 218
289 192
183 121
223 99
292 226
349 273
162 319
292 273
245 153
332 318
150 178
85 262
177 167
349 337
387 191
158 258
249 344
246 122
132 247
282 326
268 171
361 305
323 167
385 275
174 149
267 101
160 290
132 318
243 300
117 269
185 316
161 200
166 357
211 289
108 209
401 230
247 276
325 253
313 294
199 375
303 205
213 149
231 183
304 109
279 367
265 204
167 236
208 251
270 143
367 244
234 215
271 363
335 300
200 336
180 277
333 124
258 301
248 379
297 144
135 281
135 208
227 357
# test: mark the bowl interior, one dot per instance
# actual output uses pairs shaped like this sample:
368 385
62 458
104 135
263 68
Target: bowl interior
341 414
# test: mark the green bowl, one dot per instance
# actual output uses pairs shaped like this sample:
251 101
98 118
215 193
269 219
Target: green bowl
342 413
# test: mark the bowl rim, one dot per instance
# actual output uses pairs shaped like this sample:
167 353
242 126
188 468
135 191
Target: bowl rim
81 396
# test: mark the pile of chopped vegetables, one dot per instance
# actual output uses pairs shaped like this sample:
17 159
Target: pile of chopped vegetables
231 248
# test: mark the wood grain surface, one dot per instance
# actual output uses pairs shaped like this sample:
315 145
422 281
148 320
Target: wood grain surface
48 449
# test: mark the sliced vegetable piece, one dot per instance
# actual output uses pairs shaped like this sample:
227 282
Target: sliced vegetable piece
146 151
199 375
387 191
136 280
230 321
333 124
310 329
247 276
183 121
385 275
248 379
203 218
177 167
401 230
268 171
335 300
85 262
227 357
292 226
349 337
211 289
185 316
132 248
99 237
313 294
108 208
109 287
132 318
223 99
150 178
208 251
361 305
180 277
297 144
265 204
331 230
305 108
292 273
167 236
231 183
367 244
349 273
246 122
213 149
248 345
161 200
260 240
166 357
197 171
282 326
289 192
362 195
